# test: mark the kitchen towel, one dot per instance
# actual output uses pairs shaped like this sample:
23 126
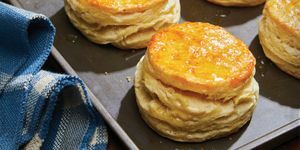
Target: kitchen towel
40 109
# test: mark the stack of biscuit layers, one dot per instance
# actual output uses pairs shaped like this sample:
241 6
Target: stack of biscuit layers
187 116
176 112
122 28
279 34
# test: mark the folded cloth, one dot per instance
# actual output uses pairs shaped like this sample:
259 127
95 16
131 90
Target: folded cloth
39 109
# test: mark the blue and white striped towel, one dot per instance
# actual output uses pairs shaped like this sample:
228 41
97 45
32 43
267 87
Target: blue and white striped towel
34 112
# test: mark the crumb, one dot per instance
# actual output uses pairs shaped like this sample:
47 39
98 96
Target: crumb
223 15
262 62
72 38
106 73
230 138
262 75
128 78
160 141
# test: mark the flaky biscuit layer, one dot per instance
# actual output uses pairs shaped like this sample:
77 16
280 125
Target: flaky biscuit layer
187 117
126 31
123 6
279 34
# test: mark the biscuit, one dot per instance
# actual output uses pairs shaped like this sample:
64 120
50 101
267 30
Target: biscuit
213 100
189 118
125 24
279 34
238 3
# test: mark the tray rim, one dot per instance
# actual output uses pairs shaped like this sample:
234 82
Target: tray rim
271 136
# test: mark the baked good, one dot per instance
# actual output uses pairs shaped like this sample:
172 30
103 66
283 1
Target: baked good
239 3
196 82
127 24
279 34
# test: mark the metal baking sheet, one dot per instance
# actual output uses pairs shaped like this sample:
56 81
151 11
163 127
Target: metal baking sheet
109 73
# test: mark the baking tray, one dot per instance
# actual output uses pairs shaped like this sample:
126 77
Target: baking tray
109 74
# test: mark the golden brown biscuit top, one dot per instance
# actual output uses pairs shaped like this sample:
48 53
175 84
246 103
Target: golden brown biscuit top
200 54
125 6
285 11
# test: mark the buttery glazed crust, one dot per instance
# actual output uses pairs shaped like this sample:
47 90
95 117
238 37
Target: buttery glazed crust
121 26
279 34
180 116
239 3
285 13
201 58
